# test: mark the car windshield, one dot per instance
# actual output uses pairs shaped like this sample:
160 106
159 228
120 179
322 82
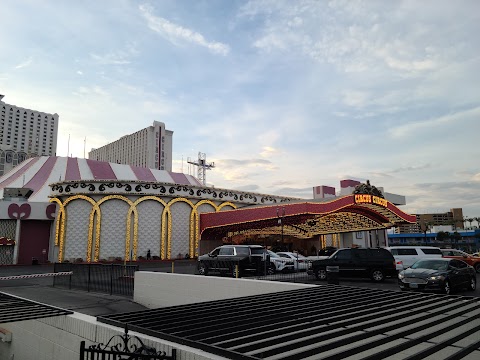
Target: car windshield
272 254
430 264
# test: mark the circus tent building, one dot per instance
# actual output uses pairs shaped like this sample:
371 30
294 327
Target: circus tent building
61 209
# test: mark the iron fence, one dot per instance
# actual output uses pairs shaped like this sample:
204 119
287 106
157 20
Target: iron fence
115 279
123 347
260 270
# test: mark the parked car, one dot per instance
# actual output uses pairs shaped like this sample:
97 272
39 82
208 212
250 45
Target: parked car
223 260
406 256
462 255
280 263
322 253
299 261
441 275
375 263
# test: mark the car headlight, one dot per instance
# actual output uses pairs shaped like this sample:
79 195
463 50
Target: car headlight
401 276
435 278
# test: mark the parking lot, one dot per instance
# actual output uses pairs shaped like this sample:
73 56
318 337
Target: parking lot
190 267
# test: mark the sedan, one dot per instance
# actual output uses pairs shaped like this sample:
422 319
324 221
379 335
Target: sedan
299 261
471 260
441 275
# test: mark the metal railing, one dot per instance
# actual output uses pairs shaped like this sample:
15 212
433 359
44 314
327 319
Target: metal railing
260 270
114 279
123 347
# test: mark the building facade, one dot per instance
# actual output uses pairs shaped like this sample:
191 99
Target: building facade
426 222
347 187
25 133
149 148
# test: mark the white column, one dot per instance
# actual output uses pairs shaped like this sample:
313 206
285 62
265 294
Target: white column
17 243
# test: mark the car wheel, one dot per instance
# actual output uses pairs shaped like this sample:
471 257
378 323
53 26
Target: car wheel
202 269
447 289
473 284
271 269
477 268
377 275
321 274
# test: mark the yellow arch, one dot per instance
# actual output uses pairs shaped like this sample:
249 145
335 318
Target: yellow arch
127 232
169 233
61 247
195 225
133 208
60 215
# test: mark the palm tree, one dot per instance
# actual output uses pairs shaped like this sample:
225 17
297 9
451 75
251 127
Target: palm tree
470 220
477 219
442 236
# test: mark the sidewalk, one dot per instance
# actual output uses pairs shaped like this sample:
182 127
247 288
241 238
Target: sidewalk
41 290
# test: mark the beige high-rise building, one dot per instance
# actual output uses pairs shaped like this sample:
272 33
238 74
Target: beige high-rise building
453 218
25 133
150 148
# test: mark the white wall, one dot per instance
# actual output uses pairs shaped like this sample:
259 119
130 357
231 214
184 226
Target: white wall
156 289
59 338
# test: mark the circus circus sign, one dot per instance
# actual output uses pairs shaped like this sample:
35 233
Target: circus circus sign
370 199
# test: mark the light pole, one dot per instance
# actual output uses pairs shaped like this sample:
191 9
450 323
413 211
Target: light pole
280 216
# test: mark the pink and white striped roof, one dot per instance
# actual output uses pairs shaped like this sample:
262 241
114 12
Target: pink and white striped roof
39 172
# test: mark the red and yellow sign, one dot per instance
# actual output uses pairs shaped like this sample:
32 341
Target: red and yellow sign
370 199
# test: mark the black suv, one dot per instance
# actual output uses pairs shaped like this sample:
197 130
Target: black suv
369 263
224 259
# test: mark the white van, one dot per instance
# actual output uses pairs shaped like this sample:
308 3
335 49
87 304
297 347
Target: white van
405 256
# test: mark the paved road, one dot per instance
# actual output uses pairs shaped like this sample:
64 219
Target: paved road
41 289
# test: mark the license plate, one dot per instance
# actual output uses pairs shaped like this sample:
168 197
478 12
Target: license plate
414 286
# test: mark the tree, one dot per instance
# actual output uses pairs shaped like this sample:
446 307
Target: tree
470 220
477 219
442 236
424 227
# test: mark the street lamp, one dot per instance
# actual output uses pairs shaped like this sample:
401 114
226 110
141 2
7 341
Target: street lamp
280 216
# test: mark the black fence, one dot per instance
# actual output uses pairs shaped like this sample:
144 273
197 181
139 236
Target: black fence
123 347
258 270
114 279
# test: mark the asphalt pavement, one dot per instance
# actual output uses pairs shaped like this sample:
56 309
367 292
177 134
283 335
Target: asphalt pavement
41 288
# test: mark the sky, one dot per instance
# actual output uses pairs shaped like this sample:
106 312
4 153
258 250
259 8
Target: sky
281 95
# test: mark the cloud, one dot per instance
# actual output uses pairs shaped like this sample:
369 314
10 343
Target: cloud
173 32
24 64
434 123
411 168
268 151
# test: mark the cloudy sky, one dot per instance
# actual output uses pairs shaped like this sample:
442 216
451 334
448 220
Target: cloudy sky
281 95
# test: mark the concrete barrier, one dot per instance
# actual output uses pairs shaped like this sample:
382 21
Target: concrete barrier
157 289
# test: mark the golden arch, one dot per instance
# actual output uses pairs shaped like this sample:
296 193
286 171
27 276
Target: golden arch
59 226
133 208
195 223
62 218
95 219
169 229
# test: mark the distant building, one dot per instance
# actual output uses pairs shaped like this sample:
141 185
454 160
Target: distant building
25 133
453 218
347 187
149 148
467 240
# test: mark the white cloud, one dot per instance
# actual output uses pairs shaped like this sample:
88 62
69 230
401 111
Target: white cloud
434 123
174 32
24 64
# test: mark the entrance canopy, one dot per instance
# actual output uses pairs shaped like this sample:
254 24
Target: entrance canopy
356 212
